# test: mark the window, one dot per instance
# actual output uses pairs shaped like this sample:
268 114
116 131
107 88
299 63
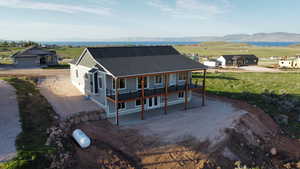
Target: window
122 84
121 105
180 94
91 83
76 73
182 76
158 79
138 102
96 90
140 83
100 85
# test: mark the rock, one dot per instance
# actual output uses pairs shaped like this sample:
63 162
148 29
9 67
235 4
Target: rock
76 120
85 118
282 119
273 151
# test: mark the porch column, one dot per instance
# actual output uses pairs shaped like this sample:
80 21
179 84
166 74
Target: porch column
117 101
143 97
186 91
166 92
203 88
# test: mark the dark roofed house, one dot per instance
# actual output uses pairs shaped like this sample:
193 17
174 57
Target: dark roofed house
238 60
35 56
119 79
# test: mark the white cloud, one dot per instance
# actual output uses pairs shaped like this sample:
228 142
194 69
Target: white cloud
42 31
29 4
197 9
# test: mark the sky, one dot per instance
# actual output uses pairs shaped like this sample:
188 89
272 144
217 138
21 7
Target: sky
91 20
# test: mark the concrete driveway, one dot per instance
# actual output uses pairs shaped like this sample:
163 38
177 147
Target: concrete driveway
9 121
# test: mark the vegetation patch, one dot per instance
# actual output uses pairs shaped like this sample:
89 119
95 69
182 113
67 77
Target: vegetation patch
278 94
36 116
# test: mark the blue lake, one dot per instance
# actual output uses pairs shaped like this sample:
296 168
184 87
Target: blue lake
85 43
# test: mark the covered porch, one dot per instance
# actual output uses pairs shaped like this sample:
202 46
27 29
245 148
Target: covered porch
164 91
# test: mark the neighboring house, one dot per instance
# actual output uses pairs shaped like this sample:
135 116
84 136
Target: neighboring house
213 63
35 56
293 63
120 79
238 60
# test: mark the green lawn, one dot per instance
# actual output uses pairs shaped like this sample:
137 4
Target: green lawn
69 52
275 93
36 115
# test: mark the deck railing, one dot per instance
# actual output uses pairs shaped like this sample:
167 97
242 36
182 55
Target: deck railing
127 94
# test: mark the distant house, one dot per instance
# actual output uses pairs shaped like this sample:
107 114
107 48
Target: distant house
212 63
125 80
293 63
238 60
35 56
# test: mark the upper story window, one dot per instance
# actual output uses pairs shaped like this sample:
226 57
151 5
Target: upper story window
122 84
158 79
182 76
139 83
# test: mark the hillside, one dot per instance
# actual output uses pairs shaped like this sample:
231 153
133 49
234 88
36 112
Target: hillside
257 37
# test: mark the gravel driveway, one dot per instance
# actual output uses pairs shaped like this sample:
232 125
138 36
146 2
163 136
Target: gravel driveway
9 121
258 69
64 97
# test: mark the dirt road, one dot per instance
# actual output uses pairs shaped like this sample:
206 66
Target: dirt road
34 72
9 121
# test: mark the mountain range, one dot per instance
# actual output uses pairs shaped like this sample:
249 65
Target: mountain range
258 37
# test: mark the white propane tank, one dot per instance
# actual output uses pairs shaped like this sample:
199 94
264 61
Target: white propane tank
81 138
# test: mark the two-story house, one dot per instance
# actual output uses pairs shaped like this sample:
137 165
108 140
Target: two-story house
125 80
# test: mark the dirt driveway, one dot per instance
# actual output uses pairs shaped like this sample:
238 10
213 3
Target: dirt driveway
64 97
9 121
33 71
258 69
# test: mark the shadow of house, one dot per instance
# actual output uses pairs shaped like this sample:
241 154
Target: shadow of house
35 56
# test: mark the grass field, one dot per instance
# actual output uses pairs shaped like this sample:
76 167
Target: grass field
36 116
214 49
275 93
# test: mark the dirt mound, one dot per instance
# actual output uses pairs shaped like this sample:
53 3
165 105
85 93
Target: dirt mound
256 140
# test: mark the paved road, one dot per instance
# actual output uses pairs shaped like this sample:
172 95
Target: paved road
9 121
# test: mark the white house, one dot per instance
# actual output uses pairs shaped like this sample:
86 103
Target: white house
212 63
289 63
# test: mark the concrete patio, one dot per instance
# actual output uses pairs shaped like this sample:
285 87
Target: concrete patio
203 123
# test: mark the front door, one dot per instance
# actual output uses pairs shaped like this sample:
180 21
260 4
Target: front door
153 102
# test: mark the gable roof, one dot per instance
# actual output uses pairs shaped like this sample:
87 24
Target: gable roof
33 52
245 56
140 60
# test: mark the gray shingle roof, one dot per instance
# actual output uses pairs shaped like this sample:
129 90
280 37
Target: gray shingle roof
138 60
230 57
